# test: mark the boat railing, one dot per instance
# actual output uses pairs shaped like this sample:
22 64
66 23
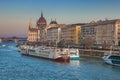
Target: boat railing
63 55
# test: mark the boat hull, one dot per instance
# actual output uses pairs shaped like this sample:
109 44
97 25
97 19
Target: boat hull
63 59
74 58
74 54
38 57
45 53
60 59
112 59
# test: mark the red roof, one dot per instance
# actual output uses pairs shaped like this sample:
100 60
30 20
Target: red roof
41 21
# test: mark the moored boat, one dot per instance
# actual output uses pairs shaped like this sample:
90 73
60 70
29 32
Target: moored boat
46 53
74 54
23 49
112 59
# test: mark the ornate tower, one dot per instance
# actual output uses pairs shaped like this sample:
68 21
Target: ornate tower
42 21
41 24
30 24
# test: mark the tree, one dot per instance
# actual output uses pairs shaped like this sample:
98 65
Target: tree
107 44
61 43
87 42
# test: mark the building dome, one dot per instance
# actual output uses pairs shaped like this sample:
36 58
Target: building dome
53 22
41 21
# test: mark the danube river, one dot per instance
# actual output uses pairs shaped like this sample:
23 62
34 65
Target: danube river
14 66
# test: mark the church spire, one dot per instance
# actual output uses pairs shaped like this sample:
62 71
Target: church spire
41 14
30 24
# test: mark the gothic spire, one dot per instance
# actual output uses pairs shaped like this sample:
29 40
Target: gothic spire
30 24
41 14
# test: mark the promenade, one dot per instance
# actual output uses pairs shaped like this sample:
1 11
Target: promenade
95 53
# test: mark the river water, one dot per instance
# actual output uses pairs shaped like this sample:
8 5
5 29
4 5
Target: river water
14 66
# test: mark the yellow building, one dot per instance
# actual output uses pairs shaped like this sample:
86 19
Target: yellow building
71 34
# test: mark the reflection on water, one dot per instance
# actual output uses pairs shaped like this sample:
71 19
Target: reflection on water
75 62
14 66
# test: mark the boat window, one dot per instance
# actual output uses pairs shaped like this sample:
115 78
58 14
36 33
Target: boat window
63 55
115 62
32 50
115 57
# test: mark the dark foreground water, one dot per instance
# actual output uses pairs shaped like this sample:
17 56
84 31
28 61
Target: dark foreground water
14 66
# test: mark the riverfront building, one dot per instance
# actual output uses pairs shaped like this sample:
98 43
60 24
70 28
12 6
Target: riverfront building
102 32
61 32
105 32
33 33
54 32
71 34
38 33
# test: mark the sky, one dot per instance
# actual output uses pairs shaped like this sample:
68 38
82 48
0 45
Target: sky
16 14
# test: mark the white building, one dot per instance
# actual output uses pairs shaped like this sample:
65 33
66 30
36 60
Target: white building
53 32
103 32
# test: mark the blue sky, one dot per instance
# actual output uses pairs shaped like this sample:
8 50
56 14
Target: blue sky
15 14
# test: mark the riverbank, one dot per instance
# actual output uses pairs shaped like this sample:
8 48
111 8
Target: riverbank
94 53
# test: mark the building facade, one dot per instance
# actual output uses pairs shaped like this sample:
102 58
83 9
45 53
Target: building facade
102 32
33 33
53 32
71 34
64 33
38 33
